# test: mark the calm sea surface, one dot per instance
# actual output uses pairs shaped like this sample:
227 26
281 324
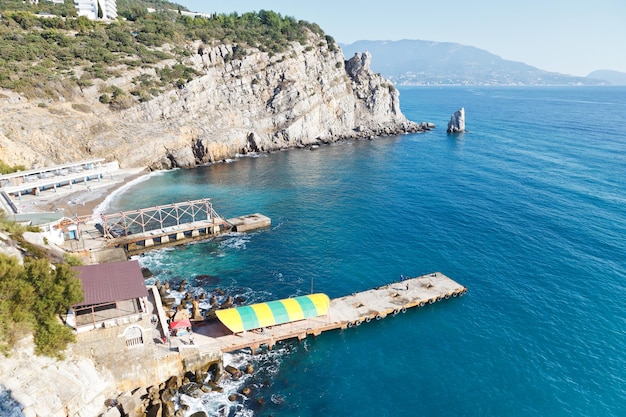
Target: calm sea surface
527 209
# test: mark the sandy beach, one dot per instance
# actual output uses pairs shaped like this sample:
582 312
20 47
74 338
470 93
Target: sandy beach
81 200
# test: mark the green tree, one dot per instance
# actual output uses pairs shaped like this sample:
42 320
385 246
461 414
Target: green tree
56 287
271 19
16 297
52 337
32 296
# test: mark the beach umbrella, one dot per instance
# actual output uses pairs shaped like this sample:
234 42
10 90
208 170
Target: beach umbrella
181 324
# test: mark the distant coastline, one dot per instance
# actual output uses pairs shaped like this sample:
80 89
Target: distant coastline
428 63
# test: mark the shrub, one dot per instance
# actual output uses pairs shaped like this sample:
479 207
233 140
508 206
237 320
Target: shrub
121 101
34 295
330 41
52 337
72 259
104 98
7 169
81 107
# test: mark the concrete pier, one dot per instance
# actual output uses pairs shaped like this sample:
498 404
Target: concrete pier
187 232
250 222
137 231
343 313
155 361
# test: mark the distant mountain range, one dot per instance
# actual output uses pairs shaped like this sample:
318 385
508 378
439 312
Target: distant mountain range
613 77
418 62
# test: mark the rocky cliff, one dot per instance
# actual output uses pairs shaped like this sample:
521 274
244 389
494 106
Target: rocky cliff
41 386
262 102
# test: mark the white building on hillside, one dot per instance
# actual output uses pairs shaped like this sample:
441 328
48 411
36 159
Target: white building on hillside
109 9
89 8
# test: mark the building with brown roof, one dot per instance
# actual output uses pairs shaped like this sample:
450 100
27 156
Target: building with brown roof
115 294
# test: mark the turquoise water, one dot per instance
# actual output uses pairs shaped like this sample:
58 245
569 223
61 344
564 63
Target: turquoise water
527 209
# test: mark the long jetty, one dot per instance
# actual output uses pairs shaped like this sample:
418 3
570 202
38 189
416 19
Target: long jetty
344 312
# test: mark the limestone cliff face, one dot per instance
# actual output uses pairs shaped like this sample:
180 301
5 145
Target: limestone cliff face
306 95
42 386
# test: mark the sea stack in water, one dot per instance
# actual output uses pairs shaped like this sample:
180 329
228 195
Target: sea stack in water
457 121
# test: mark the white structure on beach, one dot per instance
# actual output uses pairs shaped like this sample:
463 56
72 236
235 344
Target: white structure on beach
49 180
89 8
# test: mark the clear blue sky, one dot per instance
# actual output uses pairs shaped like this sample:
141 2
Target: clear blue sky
568 36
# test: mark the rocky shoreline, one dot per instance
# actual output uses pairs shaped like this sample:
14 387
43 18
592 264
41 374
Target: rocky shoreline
154 399
160 400
306 97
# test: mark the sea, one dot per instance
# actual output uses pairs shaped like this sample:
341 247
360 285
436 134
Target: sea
527 209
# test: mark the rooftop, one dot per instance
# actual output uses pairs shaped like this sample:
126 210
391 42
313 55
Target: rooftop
113 281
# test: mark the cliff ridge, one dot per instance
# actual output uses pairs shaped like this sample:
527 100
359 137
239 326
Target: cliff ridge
262 102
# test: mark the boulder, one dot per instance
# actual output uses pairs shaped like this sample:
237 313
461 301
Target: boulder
228 303
196 314
153 393
234 372
141 392
110 402
112 412
427 126
173 382
168 395
169 409
154 410
192 389
216 370
131 405
199 376
215 387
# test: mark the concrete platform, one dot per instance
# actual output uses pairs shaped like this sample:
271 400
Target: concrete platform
344 312
93 241
250 222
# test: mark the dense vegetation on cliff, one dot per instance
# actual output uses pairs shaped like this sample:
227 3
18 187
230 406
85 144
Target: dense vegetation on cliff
57 56
33 295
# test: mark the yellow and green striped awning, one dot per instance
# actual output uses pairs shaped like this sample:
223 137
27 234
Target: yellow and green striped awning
255 316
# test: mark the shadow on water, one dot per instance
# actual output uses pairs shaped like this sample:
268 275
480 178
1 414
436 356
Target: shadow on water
456 141
9 406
